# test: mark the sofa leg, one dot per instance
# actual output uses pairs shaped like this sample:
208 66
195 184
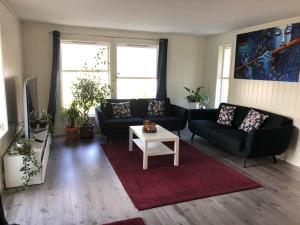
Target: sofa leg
245 162
178 132
274 159
192 138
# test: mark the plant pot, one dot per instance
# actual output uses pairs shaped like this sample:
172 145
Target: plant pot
72 134
22 151
33 124
86 132
43 123
198 105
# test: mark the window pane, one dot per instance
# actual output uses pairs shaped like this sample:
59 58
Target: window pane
224 90
136 61
226 62
68 78
136 88
75 56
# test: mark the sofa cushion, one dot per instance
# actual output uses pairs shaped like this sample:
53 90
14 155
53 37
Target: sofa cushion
121 110
232 139
253 121
226 115
206 126
107 109
119 125
168 122
275 120
156 108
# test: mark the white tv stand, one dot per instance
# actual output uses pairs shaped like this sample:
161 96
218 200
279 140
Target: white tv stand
13 162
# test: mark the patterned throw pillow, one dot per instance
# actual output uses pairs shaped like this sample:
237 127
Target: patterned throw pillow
253 120
156 108
226 115
121 110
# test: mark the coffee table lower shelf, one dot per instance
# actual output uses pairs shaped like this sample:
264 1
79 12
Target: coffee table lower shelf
154 148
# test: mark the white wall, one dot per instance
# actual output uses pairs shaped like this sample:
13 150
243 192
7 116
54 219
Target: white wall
13 74
185 56
279 97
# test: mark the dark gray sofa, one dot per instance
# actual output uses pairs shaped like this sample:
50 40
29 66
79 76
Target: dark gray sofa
271 139
175 117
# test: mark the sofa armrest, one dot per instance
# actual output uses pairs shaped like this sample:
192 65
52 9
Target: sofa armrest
268 141
178 111
100 118
202 114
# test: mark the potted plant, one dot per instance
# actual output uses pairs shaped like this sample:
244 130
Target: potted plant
73 115
30 164
23 145
44 119
89 92
195 96
33 119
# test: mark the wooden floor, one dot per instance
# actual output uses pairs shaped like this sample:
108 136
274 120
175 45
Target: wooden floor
81 188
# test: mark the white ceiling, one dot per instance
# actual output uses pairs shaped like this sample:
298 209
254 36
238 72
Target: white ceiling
168 16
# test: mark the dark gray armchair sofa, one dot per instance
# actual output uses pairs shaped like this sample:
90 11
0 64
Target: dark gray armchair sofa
175 117
271 139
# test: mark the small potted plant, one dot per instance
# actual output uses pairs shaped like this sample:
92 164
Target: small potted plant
30 165
33 119
44 119
195 96
23 145
89 92
73 116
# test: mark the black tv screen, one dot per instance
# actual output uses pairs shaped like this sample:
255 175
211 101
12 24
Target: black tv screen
30 102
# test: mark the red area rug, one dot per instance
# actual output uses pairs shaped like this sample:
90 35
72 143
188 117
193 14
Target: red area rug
197 176
134 221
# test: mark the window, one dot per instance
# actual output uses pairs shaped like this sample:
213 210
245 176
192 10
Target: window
3 110
80 59
222 86
136 71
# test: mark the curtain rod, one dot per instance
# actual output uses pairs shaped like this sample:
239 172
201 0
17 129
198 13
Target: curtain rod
107 36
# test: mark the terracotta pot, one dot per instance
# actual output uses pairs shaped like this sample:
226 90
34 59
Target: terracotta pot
72 134
86 132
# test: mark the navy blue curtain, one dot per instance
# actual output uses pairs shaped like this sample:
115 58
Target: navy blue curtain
162 69
54 74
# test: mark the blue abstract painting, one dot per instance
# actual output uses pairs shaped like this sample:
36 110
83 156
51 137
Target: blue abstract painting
269 54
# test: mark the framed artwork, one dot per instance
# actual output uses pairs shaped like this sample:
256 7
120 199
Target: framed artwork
269 54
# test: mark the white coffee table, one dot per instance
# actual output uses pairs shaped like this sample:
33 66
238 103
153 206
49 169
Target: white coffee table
151 143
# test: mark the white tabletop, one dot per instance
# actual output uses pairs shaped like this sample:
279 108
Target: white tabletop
161 135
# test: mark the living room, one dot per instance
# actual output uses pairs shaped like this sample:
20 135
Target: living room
105 179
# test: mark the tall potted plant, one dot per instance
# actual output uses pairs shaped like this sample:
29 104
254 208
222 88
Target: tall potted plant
195 96
89 92
73 116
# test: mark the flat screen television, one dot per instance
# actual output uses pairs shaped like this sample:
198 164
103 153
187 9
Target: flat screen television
30 103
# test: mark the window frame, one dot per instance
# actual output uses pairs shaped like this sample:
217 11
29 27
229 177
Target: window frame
220 74
99 43
137 45
3 118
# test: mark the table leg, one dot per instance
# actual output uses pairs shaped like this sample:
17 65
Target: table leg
145 156
176 151
130 139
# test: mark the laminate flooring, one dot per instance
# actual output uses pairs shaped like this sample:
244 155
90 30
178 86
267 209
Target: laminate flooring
81 188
